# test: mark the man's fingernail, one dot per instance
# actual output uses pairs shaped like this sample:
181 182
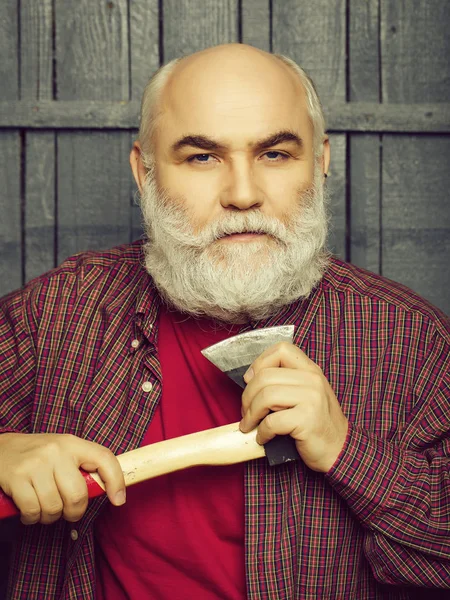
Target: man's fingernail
120 498
248 374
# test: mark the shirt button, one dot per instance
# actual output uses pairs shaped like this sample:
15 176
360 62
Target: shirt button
135 344
74 535
147 386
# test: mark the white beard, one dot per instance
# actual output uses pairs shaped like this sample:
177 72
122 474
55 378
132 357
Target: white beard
229 281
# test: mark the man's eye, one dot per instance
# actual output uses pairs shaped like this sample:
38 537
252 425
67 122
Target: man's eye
275 156
200 158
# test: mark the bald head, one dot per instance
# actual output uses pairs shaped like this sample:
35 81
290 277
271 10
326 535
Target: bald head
229 64
225 81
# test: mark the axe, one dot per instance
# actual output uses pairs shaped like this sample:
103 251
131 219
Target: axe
218 446
234 355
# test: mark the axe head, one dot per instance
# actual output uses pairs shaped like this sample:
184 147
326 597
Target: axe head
234 355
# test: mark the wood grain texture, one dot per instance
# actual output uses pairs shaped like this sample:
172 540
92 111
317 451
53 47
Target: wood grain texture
313 34
255 23
36 49
415 51
197 24
415 215
336 183
104 53
364 150
341 116
93 183
40 203
363 45
145 60
416 219
93 191
10 211
365 195
36 56
92 50
9 39
10 155
144 45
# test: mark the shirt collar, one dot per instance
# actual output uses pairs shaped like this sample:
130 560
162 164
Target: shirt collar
147 308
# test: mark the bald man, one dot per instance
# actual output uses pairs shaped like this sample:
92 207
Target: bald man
102 355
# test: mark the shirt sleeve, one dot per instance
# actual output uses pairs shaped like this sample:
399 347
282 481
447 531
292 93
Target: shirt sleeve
17 362
400 489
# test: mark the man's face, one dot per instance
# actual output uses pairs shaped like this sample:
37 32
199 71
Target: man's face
234 137
233 206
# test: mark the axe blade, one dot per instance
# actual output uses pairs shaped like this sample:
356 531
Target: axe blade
234 355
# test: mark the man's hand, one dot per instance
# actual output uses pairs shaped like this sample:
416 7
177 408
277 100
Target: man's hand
284 380
40 472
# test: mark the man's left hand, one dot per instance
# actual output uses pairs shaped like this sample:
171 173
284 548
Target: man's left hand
284 380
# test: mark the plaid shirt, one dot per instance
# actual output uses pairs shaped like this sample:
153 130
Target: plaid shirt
376 523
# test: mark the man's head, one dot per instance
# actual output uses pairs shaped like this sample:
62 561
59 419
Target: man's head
232 141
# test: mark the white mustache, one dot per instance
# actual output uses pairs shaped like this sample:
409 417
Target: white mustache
177 220
235 224
234 282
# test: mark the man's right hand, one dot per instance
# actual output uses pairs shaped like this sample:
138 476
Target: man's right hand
40 472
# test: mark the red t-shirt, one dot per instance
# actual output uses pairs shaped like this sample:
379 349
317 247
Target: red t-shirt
180 536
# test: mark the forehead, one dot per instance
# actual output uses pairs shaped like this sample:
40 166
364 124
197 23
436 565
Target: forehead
234 100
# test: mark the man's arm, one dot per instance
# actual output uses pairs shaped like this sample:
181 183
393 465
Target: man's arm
17 362
399 490
40 471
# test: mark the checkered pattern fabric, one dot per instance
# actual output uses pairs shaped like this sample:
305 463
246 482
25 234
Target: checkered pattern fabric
377 523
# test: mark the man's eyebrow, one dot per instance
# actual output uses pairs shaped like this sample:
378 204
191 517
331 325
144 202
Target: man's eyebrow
206 143
278 138
197 141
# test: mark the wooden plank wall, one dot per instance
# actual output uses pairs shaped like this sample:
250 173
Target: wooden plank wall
67 190
415 176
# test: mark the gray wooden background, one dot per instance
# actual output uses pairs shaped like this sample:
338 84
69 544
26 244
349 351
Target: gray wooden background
71 77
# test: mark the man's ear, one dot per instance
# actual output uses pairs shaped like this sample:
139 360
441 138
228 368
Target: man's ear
326 155
137 165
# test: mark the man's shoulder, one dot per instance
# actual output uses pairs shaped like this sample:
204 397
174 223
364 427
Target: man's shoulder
125 256
122 260
351 281
111 270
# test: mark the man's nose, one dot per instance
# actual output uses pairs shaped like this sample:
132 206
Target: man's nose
241 190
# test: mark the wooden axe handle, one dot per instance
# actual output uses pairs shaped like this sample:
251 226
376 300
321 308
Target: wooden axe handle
219 446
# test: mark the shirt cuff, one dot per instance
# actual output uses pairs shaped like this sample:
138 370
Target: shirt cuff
366 472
